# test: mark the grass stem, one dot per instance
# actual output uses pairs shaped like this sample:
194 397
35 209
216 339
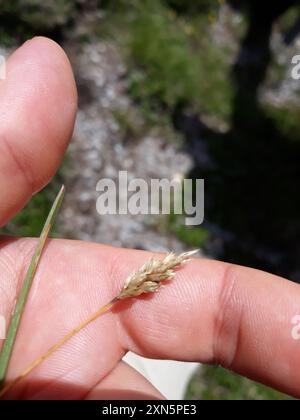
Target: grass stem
21 302
57 346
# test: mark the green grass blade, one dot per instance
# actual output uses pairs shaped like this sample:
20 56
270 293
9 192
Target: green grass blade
19 308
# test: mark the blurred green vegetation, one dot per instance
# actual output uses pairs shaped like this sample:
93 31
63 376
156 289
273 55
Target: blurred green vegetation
30 221
38 15
22 19
191 7
216 383
286 120
194 237
288 18
171 57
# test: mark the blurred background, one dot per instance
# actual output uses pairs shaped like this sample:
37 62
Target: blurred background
174 89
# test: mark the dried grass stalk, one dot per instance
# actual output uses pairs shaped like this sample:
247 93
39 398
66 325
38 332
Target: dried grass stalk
147 279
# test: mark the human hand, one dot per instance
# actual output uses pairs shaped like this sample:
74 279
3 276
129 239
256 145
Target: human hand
212 313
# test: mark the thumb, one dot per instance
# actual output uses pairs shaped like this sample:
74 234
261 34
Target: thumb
37 109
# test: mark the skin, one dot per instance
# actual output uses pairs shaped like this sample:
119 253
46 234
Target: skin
212 313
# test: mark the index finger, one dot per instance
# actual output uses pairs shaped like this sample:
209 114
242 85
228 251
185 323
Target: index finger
212 312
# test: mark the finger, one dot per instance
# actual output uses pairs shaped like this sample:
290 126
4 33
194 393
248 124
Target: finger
212 312
37 110
124 383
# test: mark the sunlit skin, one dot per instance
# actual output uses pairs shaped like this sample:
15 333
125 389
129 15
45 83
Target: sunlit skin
213 312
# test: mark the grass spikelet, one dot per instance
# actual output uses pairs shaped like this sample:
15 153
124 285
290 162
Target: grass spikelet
149 277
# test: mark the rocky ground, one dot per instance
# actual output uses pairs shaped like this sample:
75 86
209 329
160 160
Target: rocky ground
100 149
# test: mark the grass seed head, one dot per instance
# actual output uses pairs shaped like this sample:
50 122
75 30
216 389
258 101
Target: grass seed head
149 277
